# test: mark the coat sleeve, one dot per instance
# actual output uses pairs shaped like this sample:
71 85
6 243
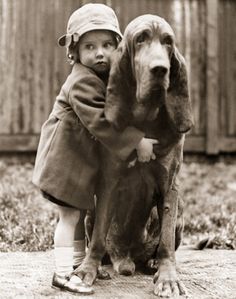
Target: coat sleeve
87 98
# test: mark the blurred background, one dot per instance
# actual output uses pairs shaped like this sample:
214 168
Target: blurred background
33 68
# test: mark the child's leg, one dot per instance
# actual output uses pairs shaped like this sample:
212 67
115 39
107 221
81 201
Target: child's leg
79 240
64 249
64 239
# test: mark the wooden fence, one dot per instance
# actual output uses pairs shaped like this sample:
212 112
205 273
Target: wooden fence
33 67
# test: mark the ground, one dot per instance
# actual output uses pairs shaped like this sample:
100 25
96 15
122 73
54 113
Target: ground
206 274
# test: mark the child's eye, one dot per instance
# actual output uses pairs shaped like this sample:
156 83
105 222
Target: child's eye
89 47
109 45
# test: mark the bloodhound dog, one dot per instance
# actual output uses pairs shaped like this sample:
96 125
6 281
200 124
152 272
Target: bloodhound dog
139 211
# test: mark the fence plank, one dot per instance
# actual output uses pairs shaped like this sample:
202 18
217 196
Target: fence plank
230 66
194 144
212 91
19 143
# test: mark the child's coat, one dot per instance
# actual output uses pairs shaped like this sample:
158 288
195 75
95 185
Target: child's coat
67 160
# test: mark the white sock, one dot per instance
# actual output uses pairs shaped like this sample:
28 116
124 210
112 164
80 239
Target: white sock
79 252
63 260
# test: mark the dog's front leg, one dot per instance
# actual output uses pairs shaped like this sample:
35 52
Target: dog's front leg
87 271
167 284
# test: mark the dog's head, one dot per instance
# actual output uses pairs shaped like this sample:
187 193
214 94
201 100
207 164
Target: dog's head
148 72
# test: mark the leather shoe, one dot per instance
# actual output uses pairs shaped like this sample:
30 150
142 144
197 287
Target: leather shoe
72 284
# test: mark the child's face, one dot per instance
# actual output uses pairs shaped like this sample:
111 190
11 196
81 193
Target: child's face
95 49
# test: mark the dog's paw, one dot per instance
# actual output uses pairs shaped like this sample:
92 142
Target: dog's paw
87 271
103 274
167 283
170 289
151 267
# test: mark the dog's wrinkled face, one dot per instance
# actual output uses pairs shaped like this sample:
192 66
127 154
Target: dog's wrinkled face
148 73
151 45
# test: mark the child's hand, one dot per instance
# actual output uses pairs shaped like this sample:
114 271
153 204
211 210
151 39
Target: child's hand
145 149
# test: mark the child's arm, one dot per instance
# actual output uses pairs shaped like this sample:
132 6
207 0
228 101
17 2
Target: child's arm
87 98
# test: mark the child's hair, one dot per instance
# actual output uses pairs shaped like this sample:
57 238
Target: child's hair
92 16
72 53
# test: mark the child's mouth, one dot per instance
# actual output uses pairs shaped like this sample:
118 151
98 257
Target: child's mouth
101 63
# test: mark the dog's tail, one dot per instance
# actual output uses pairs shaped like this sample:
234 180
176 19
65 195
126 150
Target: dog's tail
202 244
210 243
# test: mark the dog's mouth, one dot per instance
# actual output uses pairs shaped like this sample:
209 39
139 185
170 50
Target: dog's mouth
151 89
147 108
142 112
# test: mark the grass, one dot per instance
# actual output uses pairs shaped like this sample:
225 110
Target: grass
27 221
209 192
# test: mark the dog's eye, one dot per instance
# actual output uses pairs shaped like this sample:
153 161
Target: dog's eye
141 38
167 40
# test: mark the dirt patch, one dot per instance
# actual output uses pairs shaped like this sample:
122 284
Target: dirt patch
206 274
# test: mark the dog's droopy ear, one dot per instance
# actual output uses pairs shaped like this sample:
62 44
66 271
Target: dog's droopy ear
178 102
119 89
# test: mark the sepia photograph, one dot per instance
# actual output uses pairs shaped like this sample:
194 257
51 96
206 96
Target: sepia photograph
118 149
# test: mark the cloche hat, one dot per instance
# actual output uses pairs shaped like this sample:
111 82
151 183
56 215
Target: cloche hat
92 16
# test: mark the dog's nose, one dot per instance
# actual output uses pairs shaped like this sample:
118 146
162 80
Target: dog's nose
159 71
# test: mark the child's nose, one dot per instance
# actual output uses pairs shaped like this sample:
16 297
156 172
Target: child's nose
99 52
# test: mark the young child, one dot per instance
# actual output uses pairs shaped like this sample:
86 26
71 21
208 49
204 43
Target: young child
67 160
